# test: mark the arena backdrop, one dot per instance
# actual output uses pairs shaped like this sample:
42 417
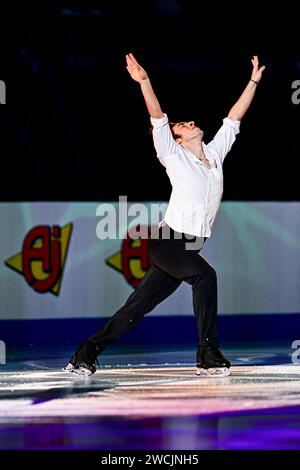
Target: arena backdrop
55 267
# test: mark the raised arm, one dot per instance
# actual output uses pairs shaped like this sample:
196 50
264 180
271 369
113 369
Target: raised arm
239 109
140 75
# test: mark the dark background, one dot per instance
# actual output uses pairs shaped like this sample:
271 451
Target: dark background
75 126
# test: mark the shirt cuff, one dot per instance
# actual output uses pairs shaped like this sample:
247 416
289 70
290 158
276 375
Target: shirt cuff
159 122
235 125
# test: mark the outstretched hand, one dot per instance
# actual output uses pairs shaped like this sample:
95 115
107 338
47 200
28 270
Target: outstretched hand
135 70
257 71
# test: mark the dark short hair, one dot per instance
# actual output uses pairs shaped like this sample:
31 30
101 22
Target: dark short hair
171 124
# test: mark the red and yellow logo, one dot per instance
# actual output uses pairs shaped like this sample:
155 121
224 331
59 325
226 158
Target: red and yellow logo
43 257
132 261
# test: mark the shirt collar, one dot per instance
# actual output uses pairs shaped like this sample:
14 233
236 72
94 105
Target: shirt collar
193 156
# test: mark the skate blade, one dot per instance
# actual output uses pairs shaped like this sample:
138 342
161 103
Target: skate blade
216 372
83 371
69 368
78 370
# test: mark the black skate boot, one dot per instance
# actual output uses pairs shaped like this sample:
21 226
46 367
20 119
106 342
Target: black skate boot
211 362
83 361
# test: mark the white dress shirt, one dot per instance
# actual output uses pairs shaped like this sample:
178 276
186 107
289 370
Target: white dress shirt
196 189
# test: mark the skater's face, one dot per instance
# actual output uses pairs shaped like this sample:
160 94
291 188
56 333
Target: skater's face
186 131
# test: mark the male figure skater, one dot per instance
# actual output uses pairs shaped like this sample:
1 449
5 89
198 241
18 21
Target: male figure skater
195 172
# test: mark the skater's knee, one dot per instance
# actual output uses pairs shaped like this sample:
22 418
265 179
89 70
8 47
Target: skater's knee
212 275
209 277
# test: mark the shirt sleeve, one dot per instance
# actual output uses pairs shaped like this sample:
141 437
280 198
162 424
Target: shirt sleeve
164 142
225 137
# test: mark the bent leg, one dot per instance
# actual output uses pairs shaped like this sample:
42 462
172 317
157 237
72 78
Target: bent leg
205 303
188 265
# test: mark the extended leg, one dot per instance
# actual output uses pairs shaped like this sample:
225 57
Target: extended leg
154 288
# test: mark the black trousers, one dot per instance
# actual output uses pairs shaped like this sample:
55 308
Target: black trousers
171 263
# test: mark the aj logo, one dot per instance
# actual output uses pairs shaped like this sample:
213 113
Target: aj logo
133 260
43 257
